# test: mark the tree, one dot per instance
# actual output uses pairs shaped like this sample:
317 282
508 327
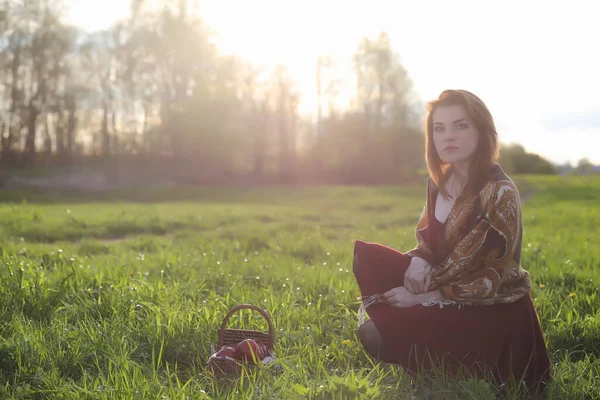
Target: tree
585 167
383 84
514 159
153 87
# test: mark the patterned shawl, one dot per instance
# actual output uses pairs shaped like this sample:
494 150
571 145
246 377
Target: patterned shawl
477 260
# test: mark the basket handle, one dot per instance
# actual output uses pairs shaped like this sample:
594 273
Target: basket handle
251 307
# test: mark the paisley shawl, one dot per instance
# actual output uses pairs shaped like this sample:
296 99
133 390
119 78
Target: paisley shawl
477 260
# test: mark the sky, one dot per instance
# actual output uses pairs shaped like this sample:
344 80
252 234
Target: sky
533 63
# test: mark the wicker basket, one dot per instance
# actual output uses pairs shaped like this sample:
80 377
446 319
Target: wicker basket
221 366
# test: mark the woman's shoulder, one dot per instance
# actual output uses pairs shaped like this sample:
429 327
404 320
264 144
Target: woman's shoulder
499 179
501 198
497 190
499 187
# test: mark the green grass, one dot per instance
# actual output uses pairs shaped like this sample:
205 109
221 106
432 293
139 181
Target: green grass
120 295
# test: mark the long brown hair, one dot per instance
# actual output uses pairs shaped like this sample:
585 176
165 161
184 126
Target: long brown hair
487 151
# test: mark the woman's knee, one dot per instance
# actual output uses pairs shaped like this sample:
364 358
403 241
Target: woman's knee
355 264
358 244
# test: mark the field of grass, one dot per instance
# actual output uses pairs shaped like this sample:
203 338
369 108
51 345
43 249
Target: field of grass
120 295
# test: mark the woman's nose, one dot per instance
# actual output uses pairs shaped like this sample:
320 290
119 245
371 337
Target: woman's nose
450 137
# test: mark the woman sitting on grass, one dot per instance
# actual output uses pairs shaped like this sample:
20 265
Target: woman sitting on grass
459 300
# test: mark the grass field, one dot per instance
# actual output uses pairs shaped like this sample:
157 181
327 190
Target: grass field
120 295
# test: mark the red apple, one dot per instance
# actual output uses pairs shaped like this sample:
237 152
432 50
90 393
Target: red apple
247 348
226 351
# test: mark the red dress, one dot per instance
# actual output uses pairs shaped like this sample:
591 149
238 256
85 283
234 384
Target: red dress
504 340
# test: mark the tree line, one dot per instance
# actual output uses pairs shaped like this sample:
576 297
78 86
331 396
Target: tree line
154 90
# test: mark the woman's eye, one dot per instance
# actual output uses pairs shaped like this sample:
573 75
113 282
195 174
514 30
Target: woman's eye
462 127
438 129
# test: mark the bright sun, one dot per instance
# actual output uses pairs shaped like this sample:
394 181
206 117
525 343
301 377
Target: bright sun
265 33
95 15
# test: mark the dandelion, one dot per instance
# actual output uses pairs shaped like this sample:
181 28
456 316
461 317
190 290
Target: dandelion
347 342
542 286
571 295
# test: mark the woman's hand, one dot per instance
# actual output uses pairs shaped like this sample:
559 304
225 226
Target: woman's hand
400 297
417 277
428 279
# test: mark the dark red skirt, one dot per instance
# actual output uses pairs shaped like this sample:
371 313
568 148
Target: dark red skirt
503 340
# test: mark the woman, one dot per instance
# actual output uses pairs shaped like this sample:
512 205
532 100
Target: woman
459 300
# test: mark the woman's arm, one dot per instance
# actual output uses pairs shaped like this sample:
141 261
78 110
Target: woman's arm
488 255
400 297
422 250
417 275
432 295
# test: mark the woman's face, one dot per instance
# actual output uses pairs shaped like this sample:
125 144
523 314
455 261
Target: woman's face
454 135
